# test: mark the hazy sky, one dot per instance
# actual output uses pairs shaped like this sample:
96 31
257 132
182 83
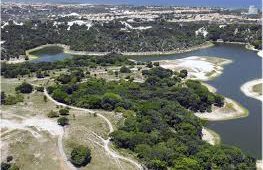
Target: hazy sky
220 3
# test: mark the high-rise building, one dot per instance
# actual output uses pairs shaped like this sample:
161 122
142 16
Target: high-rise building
252 10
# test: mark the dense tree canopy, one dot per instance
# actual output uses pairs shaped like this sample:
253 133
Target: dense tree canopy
25 88
80 155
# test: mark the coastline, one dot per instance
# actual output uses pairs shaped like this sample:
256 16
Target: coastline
210 136
260 53
66 49
247 46
231 109
246 88
201 68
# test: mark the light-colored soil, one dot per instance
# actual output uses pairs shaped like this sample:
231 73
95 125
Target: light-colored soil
201 68
231 110
249 91
210 136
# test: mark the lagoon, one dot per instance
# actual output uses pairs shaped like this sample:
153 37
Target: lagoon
246 66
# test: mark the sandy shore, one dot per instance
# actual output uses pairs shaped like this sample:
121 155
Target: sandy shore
200 68
210 136
260 53
247 89
66 49
259 164
210 88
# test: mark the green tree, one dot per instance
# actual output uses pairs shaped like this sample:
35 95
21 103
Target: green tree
80 155
186 164
183 73
62 121
52 114
63 111
125 69
25 88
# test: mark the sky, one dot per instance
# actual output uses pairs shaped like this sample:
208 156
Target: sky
210 3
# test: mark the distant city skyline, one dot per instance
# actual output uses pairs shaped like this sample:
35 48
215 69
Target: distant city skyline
208 3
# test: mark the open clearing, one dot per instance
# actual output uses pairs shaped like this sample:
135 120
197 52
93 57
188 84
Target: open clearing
37 142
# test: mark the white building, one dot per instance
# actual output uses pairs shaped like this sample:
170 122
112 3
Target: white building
252 10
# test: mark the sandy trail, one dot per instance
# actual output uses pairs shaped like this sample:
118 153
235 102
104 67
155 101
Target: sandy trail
106 142
247 89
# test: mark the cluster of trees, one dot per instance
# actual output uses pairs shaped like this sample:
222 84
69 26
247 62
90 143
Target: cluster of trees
21 69
24 88
61 115
160 126
247 33
80 155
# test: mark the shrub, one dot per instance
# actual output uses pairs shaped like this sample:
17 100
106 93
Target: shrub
125 69
183 73
62 121
13 99
25 88
80 155
52 114
156 64
40 89
63 111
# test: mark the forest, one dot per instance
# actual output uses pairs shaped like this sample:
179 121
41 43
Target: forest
160 127
162 36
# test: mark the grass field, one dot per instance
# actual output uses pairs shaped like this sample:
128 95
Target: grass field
257 89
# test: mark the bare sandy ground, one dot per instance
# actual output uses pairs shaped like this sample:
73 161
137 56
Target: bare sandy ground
210 136
259 164
201 68
247 89
105 142
260 53
38 122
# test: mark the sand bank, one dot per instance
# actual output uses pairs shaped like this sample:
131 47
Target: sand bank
200 68
260 53
231 110
247 89
210 136
259 164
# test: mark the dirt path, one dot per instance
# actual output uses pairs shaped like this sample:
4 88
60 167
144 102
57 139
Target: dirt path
106 142
63 154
